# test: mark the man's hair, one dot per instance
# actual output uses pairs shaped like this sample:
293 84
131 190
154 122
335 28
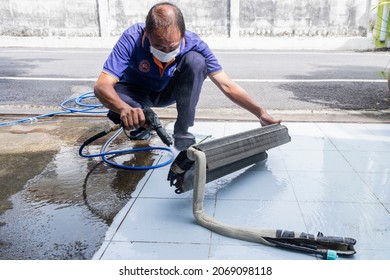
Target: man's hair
159 17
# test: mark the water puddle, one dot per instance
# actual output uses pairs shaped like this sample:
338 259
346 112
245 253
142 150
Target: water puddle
58 205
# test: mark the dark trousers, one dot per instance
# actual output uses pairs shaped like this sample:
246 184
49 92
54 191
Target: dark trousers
183 89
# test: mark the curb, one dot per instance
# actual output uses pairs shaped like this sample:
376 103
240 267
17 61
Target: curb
222 114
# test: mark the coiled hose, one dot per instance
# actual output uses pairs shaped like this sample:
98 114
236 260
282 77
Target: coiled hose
104 153
66 109
96 108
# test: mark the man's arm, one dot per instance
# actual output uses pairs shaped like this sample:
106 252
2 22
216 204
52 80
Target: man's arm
105 92
241 97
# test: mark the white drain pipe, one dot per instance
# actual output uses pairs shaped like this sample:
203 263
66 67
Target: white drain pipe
247 234
205 162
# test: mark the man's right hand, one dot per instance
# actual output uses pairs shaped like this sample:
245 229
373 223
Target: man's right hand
132 118
104 90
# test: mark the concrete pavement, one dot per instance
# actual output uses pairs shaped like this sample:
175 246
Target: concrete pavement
356 153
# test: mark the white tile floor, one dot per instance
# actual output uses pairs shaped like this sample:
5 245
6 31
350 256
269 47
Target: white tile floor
332 177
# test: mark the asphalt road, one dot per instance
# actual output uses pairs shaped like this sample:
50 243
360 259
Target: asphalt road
284 81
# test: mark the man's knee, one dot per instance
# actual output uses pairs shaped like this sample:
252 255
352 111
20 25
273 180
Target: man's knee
195 62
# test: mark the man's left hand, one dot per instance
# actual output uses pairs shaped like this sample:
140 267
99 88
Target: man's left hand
267 119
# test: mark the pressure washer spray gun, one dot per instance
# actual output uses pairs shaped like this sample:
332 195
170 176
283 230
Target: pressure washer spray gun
154 123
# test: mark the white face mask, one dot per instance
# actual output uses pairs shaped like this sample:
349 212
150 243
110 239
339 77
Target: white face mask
162 56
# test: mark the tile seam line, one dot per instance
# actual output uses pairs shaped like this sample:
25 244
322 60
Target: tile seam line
355 171
297 201
131 203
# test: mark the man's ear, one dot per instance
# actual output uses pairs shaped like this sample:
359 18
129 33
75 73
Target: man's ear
147 36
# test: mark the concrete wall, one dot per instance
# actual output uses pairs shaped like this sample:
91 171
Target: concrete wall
210 18
304 18
49 18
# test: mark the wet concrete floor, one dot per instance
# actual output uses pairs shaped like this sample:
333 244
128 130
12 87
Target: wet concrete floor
55 204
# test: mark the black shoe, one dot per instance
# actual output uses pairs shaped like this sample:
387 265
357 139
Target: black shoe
140 133
114 117
183 140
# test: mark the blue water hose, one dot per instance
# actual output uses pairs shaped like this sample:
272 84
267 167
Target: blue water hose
83 107
66 109
98 108
104 153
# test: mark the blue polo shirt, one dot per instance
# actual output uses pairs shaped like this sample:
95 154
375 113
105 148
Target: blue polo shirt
131 61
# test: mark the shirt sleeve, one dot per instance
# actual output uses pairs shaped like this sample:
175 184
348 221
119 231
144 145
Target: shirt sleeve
197 44
212 63
120 56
